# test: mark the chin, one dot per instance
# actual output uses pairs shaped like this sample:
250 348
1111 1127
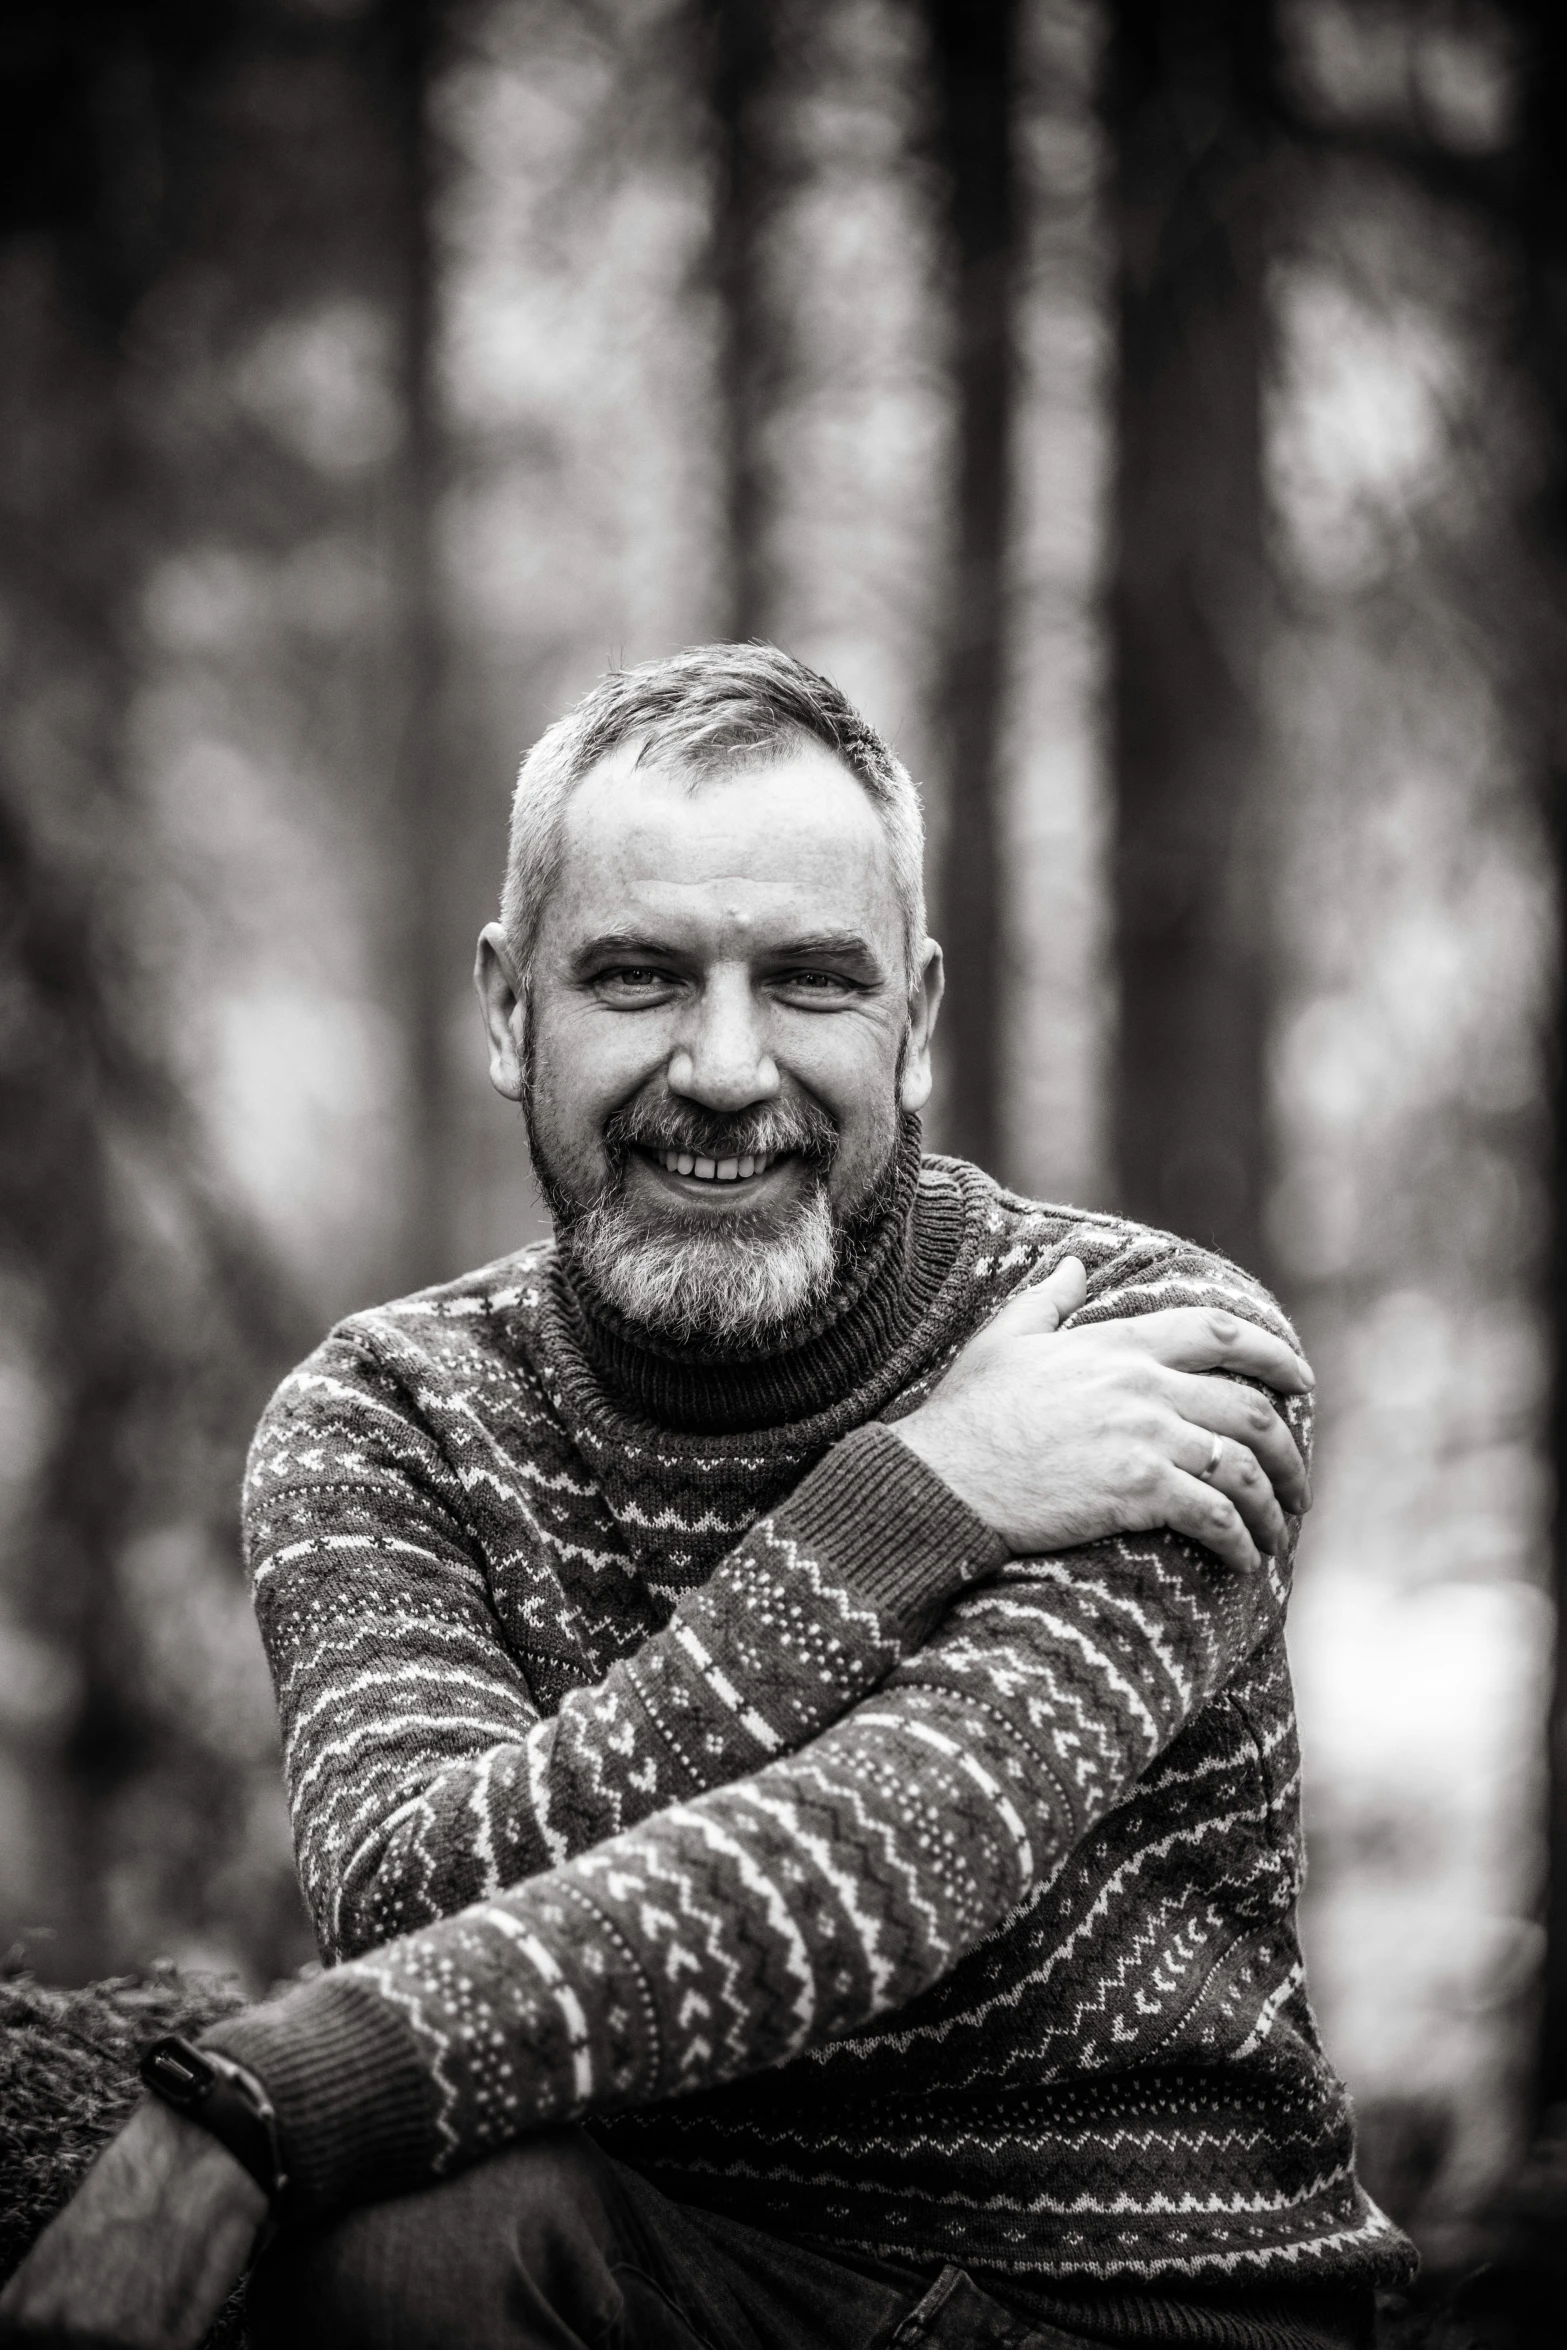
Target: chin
705 1281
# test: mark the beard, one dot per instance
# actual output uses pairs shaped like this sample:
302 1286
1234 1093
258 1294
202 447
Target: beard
720 1287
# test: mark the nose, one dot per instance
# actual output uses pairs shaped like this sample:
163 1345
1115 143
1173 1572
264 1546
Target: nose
722 1060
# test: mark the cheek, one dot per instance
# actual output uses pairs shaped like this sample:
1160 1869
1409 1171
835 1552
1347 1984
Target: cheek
858 1083
856 1063
585 1067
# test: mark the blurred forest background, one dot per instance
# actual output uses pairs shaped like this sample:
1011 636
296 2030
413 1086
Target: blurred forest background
1156 415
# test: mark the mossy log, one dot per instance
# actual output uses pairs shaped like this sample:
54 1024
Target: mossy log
68 2080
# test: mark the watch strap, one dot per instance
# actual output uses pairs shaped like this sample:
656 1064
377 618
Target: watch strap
226 2100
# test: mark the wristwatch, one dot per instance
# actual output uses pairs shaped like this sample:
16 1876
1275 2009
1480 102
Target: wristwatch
225 2099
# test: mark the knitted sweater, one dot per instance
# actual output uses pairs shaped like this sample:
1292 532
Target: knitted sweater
669 1749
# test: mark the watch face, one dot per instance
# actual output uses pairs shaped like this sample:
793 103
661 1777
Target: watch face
176 2072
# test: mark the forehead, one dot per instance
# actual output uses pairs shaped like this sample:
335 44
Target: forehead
797 840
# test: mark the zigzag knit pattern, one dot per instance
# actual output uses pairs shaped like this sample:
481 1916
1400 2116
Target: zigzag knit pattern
716 1778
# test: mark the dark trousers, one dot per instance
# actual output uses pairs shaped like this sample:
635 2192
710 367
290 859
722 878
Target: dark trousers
554 2246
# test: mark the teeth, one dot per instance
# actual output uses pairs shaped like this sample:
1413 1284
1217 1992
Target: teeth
737 1170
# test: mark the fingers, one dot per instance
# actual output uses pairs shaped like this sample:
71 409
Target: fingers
1236 1472
1206 1515
1044 1307
1208 1338
1066 1287
1241 1413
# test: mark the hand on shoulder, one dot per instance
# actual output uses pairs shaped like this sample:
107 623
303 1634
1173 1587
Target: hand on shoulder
1057 1437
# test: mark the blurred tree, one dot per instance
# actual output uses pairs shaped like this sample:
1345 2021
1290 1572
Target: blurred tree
1432 236
172 178
401 58
100 1198
974 47
1538 189
741 42
1187 99
1432 100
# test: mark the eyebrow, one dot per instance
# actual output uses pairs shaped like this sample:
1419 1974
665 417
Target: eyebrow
831 945
846 944
623 942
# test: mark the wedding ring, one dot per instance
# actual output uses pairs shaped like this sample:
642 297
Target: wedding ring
1213 1460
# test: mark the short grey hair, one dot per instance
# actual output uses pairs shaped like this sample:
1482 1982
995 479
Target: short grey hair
705 711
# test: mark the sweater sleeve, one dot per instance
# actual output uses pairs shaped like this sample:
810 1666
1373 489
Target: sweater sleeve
793 1906
422 1774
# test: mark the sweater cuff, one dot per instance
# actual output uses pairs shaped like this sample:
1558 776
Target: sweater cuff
888 1526
345 2076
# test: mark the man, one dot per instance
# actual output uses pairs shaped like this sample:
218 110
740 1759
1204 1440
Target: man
790 1747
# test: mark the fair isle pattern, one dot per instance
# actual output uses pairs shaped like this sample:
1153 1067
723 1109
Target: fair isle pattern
632 1783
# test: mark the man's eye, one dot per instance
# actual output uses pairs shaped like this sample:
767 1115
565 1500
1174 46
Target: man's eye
824 983
634 979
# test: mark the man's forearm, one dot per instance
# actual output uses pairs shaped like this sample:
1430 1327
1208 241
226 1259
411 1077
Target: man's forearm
421 1774
398 1649
724 1935
787 1904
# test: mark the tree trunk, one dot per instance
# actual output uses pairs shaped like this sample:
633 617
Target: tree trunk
1541 199
1186 103
403 57
741 45
156 1319
974 53
88 156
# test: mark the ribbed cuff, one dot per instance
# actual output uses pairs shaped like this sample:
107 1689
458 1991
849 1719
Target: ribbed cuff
344 2072
890 1527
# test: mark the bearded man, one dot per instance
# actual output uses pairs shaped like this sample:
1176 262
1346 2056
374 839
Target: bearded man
783 1686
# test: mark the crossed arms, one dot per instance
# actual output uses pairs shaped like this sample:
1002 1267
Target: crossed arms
1000 1740
454 1787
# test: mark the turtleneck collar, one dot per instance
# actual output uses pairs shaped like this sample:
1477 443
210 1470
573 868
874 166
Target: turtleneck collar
819 1362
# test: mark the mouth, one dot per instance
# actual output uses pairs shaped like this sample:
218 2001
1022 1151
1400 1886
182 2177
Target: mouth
745 1168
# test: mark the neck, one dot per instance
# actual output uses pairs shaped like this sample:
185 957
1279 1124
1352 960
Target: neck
800 1370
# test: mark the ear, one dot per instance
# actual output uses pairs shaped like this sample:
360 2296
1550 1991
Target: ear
924 1004
504 1005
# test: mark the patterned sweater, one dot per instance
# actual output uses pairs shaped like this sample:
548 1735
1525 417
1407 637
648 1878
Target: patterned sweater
669 1749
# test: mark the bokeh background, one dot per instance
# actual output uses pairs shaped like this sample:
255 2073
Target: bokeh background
1156 416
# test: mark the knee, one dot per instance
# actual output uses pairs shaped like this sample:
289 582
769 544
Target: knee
506 2252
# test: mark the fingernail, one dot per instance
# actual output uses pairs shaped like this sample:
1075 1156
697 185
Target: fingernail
1306 1504
1308 1374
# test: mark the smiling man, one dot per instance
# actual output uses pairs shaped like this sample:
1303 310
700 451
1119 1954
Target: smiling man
715 1176
783 1687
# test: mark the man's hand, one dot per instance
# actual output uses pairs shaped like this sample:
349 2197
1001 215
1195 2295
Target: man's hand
149 2247
1056 1437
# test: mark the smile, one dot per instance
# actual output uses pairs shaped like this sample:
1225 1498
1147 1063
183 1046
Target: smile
738 1170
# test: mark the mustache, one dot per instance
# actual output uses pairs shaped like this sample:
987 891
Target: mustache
803 1129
